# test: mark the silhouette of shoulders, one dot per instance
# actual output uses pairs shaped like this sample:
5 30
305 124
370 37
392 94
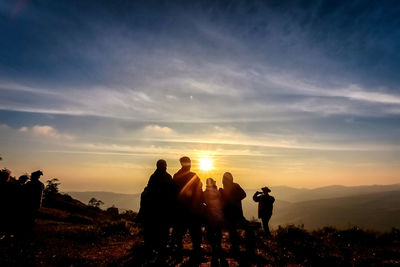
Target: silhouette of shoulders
159 178
183 177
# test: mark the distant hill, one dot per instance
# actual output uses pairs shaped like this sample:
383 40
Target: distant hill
336 205
250 208
333 191
121 201
379 211
69 233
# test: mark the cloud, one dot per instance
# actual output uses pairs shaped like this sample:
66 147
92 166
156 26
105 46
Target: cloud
223 66
46 131
155 129
351 91
143 150
229 138
23 129
4 127
217 91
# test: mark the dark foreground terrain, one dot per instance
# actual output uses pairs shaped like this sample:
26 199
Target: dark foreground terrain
69 233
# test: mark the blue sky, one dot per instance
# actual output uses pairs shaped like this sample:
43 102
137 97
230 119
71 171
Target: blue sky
303 93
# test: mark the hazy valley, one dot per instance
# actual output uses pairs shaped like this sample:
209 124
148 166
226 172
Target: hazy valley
372 207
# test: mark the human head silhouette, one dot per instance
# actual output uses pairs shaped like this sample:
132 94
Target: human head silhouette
23 178
185 162
36 175
4 175
227 179
265 190
161 165
210 182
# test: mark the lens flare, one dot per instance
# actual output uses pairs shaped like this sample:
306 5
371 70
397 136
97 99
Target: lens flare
205 164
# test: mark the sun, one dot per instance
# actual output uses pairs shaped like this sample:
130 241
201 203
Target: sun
205 164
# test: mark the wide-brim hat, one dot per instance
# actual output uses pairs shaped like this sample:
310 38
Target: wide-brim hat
266 188
37 173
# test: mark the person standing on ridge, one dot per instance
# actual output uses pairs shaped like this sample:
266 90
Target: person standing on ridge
215 218
156 207
265 207
232 196
34 192
5 207
189 206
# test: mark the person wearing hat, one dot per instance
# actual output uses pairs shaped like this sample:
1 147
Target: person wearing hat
265 206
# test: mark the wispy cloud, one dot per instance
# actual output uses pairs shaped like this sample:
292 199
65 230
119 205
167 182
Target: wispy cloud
249 78
157 130
200 101
46 131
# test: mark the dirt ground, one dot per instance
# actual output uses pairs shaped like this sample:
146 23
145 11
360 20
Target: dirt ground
55 243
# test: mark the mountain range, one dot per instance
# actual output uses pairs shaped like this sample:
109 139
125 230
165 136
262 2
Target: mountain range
374 207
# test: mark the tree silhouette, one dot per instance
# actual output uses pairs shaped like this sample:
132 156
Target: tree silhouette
93 202
52 187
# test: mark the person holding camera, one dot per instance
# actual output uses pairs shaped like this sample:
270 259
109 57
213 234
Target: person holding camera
265 207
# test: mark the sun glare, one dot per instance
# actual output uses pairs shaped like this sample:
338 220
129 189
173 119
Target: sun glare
205 164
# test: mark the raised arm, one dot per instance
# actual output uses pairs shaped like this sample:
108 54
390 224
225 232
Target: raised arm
256 196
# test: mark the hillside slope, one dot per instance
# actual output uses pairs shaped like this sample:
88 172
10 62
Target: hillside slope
70 233
339 206
379 211
122 201
335 191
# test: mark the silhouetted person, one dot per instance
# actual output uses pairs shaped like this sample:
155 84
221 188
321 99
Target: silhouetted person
232 196
13 194
22 179
215 218
189 206
22 212
5 203
265 207
157 203
34 195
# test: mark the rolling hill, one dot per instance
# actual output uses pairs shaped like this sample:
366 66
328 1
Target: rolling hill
378 211
121 201
374 206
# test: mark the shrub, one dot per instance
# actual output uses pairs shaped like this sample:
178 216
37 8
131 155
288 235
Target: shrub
355 235
128 215
114 228
95 203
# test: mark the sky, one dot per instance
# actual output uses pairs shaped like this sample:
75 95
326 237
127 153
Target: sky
296 93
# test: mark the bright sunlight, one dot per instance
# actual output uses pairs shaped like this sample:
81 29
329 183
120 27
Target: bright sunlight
205 164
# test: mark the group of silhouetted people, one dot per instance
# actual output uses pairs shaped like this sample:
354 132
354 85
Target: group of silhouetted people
180 203
20 200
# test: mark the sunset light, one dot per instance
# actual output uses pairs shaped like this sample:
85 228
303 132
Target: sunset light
206 164
182 123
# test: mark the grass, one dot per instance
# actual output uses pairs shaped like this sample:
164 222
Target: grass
68 233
